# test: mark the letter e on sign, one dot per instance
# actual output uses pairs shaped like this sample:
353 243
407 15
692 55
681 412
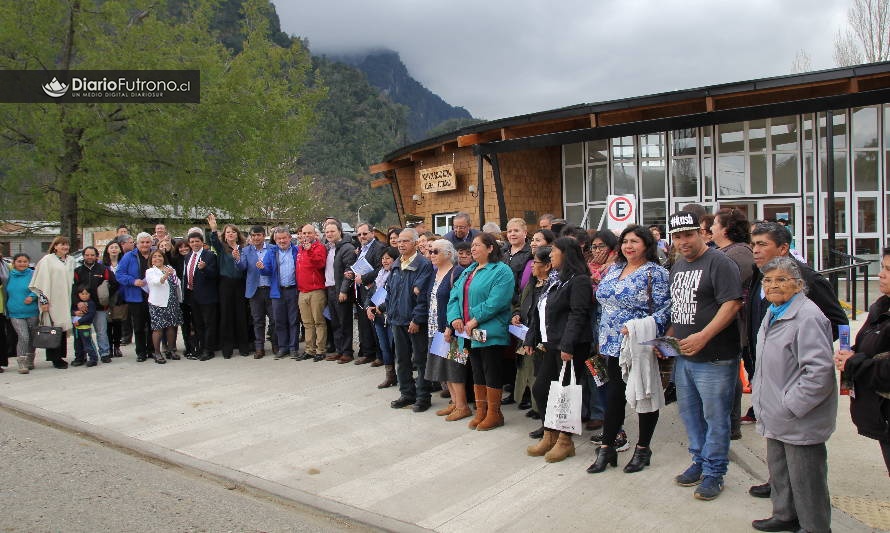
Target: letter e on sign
620 211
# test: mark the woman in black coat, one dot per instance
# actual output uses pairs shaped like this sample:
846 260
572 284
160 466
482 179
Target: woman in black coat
870 375
565 333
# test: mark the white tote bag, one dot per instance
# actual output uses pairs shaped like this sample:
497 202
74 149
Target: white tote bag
564 403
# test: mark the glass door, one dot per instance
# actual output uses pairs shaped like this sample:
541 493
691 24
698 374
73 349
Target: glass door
787 212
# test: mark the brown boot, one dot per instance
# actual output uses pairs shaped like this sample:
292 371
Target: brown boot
494 418
481 406
445 411
544 445
565 447
459 413
390 377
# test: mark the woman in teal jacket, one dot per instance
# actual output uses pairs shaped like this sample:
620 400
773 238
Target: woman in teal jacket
480 308
21 307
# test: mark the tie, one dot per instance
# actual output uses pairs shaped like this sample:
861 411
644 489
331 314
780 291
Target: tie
191 269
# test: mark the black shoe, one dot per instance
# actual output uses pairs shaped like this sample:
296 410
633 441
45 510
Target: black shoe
508 399
596 438
670 394
227 355
524 404
302 357
318 357
192 356
605 456
171 356
117 352
774 524
538 433
401 403
639 461
140 358
92 363
534 415
760 491
420 406
105 359
61 364
207 356
78 362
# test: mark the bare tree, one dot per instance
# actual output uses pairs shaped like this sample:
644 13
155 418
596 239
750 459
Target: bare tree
801 62
867 36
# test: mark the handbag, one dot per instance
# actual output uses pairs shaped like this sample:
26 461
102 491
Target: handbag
48 337
564 403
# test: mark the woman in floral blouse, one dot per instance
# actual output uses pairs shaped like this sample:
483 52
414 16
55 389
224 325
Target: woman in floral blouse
636 286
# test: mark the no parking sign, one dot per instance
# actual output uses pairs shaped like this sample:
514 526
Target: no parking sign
621 211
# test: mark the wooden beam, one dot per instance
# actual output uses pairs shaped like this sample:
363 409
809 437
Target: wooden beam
709 103
593 121
381 182
479 138
389 165
854 85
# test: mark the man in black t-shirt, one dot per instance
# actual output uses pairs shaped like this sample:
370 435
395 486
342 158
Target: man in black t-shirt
706 295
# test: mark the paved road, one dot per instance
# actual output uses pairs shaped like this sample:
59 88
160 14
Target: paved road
53 480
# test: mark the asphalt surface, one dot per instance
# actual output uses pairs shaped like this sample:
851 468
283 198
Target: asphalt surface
54 480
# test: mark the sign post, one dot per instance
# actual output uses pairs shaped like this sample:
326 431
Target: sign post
621 211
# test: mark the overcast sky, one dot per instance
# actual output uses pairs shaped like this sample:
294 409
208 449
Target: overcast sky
500 58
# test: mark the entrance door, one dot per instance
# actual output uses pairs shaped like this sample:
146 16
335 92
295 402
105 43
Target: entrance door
788 210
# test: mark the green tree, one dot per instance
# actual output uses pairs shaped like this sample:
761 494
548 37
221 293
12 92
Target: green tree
234 151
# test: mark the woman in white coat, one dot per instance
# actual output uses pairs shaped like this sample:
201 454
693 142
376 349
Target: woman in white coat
52 282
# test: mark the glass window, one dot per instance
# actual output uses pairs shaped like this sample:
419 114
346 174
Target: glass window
810 226
869 249
623 148
865 127
708 175
808 131
808 171
654 213
594 214
652 145
839 121
840 172
598 151
840 213
832 260
809 253
684 173
574 214
574 185
653 178
784 173
757 135
731 175
624 178
865 171
758 173
572 154
597 183
684 142
867 215
706 144
731 138
886 126
783 133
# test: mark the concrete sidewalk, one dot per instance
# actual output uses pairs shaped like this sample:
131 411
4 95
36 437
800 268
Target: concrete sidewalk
322 434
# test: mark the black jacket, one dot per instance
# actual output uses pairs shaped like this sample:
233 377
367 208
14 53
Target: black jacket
344 257
820 293
517 263
205 288
93 277
871 412
569 309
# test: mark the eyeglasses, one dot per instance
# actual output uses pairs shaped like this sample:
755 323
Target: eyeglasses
433 252
777 281
536 262
364 234
599 246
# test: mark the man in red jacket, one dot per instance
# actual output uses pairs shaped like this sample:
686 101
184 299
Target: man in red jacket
313 297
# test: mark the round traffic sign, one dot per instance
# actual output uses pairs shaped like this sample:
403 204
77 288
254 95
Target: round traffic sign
620 208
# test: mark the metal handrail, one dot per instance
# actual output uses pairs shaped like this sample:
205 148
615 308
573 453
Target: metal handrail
855 263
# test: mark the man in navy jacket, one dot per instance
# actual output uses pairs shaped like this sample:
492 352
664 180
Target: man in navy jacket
200 273
256 290
280 264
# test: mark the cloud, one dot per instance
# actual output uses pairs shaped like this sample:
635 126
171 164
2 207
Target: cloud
503 58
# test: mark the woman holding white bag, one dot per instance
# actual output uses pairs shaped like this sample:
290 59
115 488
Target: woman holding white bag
562 325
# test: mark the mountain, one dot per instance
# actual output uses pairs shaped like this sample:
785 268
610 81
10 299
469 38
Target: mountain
426 110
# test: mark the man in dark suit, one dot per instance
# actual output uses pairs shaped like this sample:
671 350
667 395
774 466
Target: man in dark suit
341 292
201 293
370 252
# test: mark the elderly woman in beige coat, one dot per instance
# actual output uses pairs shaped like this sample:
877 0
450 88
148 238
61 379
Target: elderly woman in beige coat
52 282
795 401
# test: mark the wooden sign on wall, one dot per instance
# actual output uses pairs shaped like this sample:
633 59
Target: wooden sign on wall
435 179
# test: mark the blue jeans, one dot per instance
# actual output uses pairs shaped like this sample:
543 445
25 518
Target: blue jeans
384 339
704 395
83 345
287 320
100 324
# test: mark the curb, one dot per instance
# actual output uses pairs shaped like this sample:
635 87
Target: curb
227 477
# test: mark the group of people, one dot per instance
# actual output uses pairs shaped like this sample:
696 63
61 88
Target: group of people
492 318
